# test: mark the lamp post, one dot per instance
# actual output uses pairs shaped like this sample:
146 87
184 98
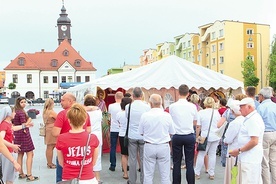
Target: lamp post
261 55
208 56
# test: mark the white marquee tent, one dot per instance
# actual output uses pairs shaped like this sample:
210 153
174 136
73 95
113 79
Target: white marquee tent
167 73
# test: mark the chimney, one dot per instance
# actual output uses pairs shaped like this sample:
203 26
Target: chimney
42 50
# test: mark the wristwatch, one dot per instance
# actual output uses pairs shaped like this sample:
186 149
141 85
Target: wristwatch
240 151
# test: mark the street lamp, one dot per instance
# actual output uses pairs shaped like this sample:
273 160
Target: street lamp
208 55
261 55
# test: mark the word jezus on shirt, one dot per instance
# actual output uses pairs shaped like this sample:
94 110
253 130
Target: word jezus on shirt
78 151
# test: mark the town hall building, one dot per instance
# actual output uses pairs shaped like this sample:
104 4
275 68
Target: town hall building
42 74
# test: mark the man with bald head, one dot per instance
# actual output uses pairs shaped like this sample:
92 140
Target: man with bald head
156 126
62 125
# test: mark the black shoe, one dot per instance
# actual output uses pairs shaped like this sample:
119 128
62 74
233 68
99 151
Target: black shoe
139 170
111 168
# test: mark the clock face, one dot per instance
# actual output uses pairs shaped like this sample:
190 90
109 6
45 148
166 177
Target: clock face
63 28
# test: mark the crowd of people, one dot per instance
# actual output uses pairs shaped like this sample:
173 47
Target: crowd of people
149 135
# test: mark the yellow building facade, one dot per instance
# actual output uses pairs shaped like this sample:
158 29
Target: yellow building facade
222 46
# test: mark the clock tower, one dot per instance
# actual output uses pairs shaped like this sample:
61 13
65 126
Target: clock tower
64 25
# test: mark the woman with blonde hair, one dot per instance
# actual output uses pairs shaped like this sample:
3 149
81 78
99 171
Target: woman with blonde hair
71 148
205 117
49 117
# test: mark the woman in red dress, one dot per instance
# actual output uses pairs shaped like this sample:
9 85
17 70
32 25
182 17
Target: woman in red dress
24 139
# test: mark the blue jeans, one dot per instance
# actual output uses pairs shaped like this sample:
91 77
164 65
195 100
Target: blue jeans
58 172
224 148
113 143
188 141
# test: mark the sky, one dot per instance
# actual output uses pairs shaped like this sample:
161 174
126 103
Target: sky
110 33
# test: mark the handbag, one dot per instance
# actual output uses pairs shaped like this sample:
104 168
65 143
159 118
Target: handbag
126 139
76 180
219 132
202 141
42 130
222 130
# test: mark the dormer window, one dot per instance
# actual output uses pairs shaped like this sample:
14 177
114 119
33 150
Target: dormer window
77 62
65 53
54 63
21 61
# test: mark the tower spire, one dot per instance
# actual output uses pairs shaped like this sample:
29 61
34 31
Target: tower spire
64 25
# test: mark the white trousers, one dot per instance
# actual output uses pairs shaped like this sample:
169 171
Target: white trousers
159 154
211 151
251 173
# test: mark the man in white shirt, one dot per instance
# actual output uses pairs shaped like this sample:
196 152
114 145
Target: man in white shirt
136 142
184 115
156 126
250 140
113 109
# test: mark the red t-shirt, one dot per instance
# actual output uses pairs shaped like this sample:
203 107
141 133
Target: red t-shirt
72 146
6 126
222 110
63 123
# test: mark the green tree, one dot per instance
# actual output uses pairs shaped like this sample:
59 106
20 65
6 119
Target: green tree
272 65
248 72
12 86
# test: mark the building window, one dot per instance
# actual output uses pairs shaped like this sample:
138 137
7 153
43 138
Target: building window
184 45
193 47
21 61
250 57
221 71
189 54
167 50
221 33
189 43
87 78
193 59
220 46
78 78
214 61
250 45
198 58
29 78
77 62
184 55
163 52
198 46
213 48
213 35
249 31
54 63
63 79
221 59
14 78
46 94
65 53
54 79
45 79
70 79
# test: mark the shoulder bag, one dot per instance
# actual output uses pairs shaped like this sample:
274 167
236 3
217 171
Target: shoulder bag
76 180
202 141
126 139
221 130
42 129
